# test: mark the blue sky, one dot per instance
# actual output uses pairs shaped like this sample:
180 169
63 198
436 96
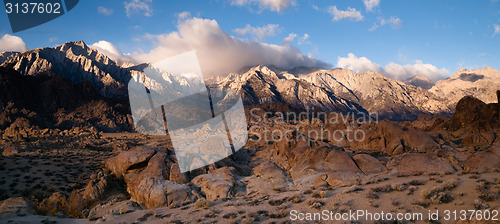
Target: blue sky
398 38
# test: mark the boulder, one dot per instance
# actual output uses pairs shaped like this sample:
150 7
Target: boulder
134 158
155 193
414 163
312 180
96 188
156 168
472 113
216 185
113 208
339 161
342 179
323 167
17 206
268 178
483 162
176 175
391 137
368 164
53 204
10 151
418 141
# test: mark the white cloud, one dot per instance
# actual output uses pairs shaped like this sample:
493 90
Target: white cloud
497 29
356 64
139 6
219 53
349 14
392 70
403 72
111 51
272 5
370 4
374 27
183 15
12 43
53 39
394 21
104 11
260 32
303 39
289 39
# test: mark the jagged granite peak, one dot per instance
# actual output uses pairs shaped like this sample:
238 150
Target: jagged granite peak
4 56
261 85
77 62
419 81
377 93
480 83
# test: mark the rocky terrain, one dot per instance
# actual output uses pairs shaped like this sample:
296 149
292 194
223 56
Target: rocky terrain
344 90
77 62
419 81
340 90
69 153
4 56
428 164
41 102
480 83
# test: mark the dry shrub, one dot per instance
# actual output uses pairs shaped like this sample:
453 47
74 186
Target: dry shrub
439 194
417 182
76 204
202 203
480 204
296 199
321 194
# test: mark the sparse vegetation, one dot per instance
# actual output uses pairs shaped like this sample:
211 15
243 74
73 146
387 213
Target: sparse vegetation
321 194
202 203
417 182
296 199
371 195
480 204
412 190
316 204
440 194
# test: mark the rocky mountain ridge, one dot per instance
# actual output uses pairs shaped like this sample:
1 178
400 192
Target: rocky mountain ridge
261 85
77 62
420 81
329 90
4 56
480 83
376 93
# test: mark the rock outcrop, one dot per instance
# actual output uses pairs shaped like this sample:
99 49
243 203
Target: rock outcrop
419 163
53 102
18 206
134 157
268 178
369 164
483 162
216 185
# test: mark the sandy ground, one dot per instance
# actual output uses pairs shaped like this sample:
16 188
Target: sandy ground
380 193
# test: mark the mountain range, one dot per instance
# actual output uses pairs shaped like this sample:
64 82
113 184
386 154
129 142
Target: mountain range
329 90
77 62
